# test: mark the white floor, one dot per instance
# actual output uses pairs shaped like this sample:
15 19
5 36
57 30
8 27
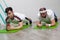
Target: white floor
32 34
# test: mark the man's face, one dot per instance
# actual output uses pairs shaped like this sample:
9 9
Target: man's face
10 14
43 14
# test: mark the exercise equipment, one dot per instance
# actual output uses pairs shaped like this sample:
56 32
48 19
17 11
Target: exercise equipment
44 27
13 31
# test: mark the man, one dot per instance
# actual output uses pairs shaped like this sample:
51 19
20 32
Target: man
46 18
14 21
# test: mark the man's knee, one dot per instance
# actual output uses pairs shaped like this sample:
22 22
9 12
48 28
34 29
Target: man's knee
30 21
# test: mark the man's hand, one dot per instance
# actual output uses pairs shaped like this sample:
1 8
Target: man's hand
43 23
39 25
48 25
20 25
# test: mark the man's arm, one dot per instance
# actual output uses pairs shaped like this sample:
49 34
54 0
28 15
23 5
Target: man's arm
9 27
52 17
52 23
38 23
7 24
20 25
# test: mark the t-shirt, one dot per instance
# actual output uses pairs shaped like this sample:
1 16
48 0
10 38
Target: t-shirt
14 21
20 15
49 17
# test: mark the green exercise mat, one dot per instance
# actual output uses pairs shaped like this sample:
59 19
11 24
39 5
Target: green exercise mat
13 31
44 27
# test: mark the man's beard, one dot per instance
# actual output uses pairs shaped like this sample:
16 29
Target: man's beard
12 18
43 16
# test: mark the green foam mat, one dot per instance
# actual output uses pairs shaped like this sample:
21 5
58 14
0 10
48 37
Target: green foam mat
44 27
13 31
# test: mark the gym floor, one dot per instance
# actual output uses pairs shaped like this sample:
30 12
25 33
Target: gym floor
32 34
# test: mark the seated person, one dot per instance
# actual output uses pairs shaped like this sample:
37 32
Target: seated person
13 21
46 18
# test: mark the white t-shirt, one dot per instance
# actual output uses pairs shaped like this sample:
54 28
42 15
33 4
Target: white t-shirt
50 14
20 15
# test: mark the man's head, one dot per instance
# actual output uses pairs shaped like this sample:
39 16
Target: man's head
9 12
43 12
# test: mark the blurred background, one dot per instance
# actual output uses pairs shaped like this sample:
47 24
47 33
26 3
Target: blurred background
31 7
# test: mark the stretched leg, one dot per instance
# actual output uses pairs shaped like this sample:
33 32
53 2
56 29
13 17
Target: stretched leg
30 21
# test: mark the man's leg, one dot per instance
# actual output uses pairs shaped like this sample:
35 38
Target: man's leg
30 21
56 20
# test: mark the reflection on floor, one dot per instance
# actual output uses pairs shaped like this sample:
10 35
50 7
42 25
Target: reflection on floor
32 34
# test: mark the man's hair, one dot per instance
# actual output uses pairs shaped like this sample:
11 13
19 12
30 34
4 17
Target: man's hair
41 9
8 9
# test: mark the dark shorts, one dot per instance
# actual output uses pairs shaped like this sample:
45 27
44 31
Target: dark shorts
30 21
56 20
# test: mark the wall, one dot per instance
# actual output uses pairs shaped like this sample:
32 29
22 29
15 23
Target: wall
31 7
